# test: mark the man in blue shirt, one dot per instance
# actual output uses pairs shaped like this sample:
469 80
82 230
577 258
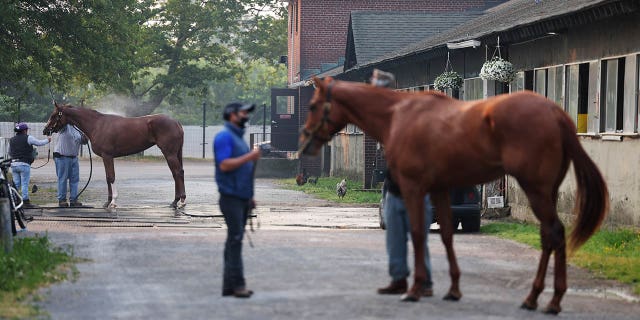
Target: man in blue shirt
234 163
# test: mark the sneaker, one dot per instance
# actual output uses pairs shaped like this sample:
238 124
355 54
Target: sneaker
63 204
27 204
75 204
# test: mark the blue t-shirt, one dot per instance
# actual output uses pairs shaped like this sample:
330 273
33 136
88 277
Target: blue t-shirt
228 143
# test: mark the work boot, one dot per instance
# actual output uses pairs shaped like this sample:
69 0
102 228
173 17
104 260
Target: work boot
75 204
63 204
242 293
395 287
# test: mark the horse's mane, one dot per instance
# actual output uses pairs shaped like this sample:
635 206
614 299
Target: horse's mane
78 107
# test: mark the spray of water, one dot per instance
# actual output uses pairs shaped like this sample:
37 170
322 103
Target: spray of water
114 104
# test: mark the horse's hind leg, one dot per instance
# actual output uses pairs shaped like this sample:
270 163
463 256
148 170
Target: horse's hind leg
174 160
552 238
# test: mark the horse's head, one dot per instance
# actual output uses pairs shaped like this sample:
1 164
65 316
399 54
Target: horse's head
57 119
323 120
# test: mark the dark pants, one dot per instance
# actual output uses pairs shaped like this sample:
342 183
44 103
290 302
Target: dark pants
235 211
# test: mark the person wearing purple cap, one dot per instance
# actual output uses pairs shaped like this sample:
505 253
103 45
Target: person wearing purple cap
234 165
21 151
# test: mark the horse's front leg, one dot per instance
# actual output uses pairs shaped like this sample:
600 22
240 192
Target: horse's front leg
111 178
414 202
442 204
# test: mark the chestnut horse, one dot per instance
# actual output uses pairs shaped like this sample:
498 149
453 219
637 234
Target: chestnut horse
114 136
434 142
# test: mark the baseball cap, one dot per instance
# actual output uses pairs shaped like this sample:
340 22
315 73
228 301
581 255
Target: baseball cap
235 107
20 127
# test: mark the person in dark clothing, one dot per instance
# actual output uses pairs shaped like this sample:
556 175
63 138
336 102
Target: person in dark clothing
396 220
234 167
21 151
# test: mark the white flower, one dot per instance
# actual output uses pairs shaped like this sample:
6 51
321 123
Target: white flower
498 69
448 79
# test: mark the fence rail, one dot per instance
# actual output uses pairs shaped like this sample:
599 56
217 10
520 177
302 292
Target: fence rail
194 145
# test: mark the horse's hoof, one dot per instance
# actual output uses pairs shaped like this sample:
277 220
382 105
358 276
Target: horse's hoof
181 204
527 306
410 297
452 297
552 310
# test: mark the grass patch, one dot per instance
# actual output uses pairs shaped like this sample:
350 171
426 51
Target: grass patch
326 189
33 263
612 254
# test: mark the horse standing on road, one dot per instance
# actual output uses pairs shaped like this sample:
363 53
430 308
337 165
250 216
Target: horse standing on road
434 142
114 136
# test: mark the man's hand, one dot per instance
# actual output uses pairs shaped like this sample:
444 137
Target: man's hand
254 155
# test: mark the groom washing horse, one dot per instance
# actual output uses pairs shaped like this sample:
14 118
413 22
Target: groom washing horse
114 136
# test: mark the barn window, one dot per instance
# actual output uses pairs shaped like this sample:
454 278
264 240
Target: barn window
473 89
612 95
576 97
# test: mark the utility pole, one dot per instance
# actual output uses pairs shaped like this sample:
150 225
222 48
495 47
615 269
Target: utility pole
204 128
264 122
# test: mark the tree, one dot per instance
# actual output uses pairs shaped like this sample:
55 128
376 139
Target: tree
149 50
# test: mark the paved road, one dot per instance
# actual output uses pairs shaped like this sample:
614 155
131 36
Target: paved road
312 260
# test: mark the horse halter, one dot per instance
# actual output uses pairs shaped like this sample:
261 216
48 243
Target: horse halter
55 124
311 135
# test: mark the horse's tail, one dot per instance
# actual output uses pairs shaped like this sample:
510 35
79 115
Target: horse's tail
592 198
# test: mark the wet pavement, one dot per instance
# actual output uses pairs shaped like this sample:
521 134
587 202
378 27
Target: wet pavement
312 259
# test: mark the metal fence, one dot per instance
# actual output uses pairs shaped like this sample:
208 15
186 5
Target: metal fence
197 144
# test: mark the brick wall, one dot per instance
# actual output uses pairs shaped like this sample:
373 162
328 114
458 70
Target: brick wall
322 26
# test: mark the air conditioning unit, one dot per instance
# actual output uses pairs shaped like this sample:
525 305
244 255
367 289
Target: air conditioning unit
495 202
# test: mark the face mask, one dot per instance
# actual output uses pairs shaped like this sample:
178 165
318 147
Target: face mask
243 121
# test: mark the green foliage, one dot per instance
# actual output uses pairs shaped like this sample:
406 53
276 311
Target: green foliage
252 83
30 264
151 51
33 263
611 254
326 189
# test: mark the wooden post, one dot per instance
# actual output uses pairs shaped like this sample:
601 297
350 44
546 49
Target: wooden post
6 237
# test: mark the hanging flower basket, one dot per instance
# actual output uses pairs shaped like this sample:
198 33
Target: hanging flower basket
448 79
498 69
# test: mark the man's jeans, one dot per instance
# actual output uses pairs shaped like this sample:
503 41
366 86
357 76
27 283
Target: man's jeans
21 176
67 169
235 211
398 229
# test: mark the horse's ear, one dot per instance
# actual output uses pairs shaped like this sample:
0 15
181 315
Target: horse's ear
55 104
317 82
328 79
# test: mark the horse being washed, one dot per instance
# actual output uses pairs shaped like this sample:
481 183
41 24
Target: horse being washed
433 142
114 136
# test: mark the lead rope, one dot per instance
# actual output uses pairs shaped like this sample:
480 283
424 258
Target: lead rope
48 158
253 173
90 164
